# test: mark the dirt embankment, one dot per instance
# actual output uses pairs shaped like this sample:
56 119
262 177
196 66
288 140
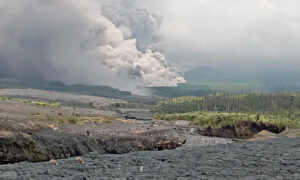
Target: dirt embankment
242 130
46 144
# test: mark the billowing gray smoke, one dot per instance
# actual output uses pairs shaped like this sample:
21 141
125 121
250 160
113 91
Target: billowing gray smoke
72 41
134 22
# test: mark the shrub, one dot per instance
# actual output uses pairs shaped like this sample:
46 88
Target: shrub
73 119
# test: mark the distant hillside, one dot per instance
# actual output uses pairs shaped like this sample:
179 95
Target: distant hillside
203 74
182 90
259 80
102 91
201 81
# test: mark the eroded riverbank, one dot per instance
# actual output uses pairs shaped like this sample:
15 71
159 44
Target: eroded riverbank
270 159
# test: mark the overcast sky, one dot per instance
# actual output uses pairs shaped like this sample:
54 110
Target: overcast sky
249 33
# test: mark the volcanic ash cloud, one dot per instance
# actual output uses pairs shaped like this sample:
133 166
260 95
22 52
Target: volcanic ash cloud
72 41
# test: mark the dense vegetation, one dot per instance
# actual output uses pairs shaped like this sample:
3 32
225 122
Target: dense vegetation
288 104
227 109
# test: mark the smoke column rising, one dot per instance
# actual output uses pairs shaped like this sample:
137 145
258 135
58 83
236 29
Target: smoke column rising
71 41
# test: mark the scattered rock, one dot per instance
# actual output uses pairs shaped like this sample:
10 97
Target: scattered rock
182 123
142 169
192 130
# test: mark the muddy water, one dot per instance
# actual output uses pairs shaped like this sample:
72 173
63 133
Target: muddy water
270 159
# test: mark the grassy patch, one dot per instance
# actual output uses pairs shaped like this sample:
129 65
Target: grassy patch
38 103
45 104
218 119
98 119
108 118
73 119
107 121
59 119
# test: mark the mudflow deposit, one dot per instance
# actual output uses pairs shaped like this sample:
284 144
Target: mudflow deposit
113 143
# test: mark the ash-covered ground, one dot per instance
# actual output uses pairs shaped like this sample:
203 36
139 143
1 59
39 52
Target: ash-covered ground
270 159
40 133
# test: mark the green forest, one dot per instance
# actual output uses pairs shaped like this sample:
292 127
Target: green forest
223 109
246 103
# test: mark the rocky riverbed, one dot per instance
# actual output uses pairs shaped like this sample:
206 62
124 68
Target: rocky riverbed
270 159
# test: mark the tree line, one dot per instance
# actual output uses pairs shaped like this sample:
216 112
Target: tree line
283 104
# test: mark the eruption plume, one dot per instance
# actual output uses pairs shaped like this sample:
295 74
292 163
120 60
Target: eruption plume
74 42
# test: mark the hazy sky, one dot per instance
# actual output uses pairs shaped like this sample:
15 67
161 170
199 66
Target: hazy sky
130 43
251 33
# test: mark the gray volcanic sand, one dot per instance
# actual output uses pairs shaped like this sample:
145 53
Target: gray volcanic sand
54 96
271 159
